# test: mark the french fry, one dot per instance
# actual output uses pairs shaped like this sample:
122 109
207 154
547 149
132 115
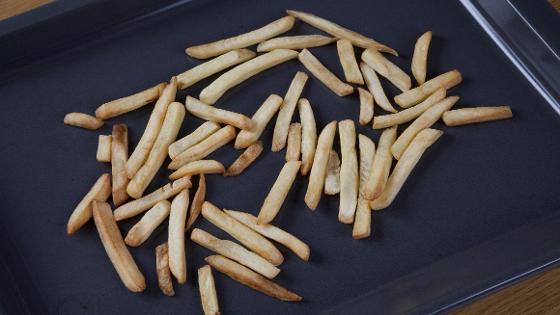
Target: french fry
362 221
277 194
195 137
366 106
83 121
295 42
100 191
473 115
129 103
218 115
261 118
219 47
308 135
165 282
323 74
104 148
198 200
418 94
119 155
409 159
245 159
142 230
427 119
375 88
287 111
198 167
117 251
251 239
207 289
319 168
420 57
332 180
176 238
244 71
349 176
381 164
387 69
167 134
294 142
250 278
348 61
235 252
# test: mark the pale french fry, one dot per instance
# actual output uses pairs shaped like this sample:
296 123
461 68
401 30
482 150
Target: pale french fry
366 106
420 57
362 221
272 232
83 121
176 238
404 116
219 47
198 200
418 94
261 118
100 191
375 88
323 74
129 103
349 176
277 194
287 111
165 282
244 71
251 239
295 42
142 230
293 150
207 289
381 164
167 134
427 119
332 180
117 251
348 61
473 115
235 252
119 155
319 168
411 156
387 69
211 67
218 115
245 159
338 31
195 137
308 135
104 148
204 148
250 278
197 168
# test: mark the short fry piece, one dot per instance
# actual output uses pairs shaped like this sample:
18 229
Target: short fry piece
83 121
176 238
387 69
418 94
294 142
308 135
287 111
207 289
362 221
165 282
366 106
198 200
104 148
198 167
129 103
295 42
349 176
261 118
119 156
195 137
207 112
332 180
245 159
473 115
142 230
319 168
375 88
277 194
381 165
348 61
323 74
100 191
420 57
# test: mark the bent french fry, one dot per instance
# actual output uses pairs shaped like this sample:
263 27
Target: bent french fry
387 69
366 106
375 88
142 230
198 167
165 282
176 238
473 115
261 118
332 180
418 94
207 112
349 177
294 142
245 159
195 137
362 221
308 135
381 164
104 148
295 42
119 155
83 121
287 111
198 200
129 103
420 57
319 168
207 289
348 61
277 194
323 74
100 191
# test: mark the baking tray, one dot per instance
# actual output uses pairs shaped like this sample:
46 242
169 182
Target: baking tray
480 210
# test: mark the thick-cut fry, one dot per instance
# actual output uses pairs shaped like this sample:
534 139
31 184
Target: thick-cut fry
204 148
308 135
176 238
242 233
245 159
244 71
204 70
295 42
349 176
277 194
404 166
119 155
384 121
83 121
428 118
104 148
235 252
142 230
195 137
261 118
250 278
219 47
117 251
338 31
198 200
100 191
420 93
381 164
294 142
420 57
272 232
332 180
207 112
473 115
287 111
207 289
375 88
135 207
165 282
387 69
362 222
168 133
198 167
366 106
129 103
323 74
348 61
319 168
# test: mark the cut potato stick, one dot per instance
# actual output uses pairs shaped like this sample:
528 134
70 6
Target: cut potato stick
323 74
198 200
308 135
83 121
198 167
349 176
165 282
235 252
294 142
244 71
375 88
211 67
100 191
427 119
207 289
420 93
410 158
251 239
261 118
338 31
218 115
129 103
287 111
381 164
295 42
245 159
117 251
332 180
195 137
119 155
104 148
277 194
319 168
348 61
366 106
473 115
420 57
387 69
142 230
362 222
176 238
219 47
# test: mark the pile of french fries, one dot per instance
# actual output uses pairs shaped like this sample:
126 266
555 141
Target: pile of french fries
363 175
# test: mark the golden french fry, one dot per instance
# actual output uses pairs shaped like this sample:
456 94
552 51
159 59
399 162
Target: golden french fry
195 137
295 42
319 168
142 230
362 221
332 180
198 167
427 119
83 121
176 238
250 278
381 164
411 156
294 142
277 194
207 112
323 74
348 61
473 115
119 155
308 135
100 191
207 289
261 118
219 47
251 239
375 88
366 106
287 111
117 251
387 69
104 148
244 71
349 176
420 93
129 103
245 159
420 57
165 282
198 200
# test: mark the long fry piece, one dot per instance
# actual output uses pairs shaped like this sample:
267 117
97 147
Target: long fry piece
83 121
420 57
119 156
277 194
100 191
375 88
473 115
362 222
207 289
198 200
218 115
104 148
366 106
142 230
332 180
198 167
323 74
381 164
294 142
295 42
195 137
176 238
418 94
387 69
308 135
261 118
129 103
349 176
287 111
348 61
319 168
165 282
